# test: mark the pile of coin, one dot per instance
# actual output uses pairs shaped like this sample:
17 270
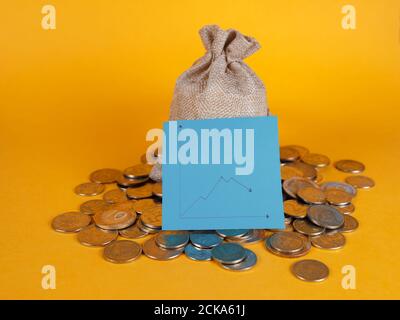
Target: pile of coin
317 214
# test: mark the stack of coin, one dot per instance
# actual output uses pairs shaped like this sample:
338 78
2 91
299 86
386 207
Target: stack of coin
317 214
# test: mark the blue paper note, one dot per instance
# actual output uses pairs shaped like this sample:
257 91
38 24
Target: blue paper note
221 174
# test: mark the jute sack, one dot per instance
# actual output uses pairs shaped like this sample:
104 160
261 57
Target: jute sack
219 84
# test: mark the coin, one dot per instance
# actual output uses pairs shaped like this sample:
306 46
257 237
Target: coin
124 182
288 154
306 248
153 251
288 172
144 204
147 229
331 241
287 242
93 206
122 251
316 160
310 270
339 185
152 217
140 192
157 189
294 208
311 195
89 189
116 216
172 239
360 182
350 224
318 178
133 232
300 149
309 172
232 233
325 216
105 175
248 263
197 254
228 253
138 171
293 185
349 166
306 227
338 197
205 239
93 236
115 196
256 235
70 222
347 209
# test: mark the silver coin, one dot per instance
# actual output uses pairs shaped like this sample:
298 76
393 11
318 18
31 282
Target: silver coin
232 233
248 263
153 251
205 239
325 216
339 185
228 253
197 254
172 239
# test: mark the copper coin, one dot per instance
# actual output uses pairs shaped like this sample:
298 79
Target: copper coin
152 217
325 216
300 149
338 197
309 171
115 196
295 209
350 166
331 241
116 216
142 192
316 160
310 270
306 227
106 175
306 248
133 232
311 195
350 224
293 185
360 182
70 222
138 171
89 189
287 242
347 209
288 172
122 251
124 182
93 236
144 204
153 251
93 206
157 189
339 185
288 154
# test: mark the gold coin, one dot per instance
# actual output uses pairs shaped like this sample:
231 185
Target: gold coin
70 222
311 195
350 224
316 160
122 251
89 189
288 172
105 175
360 182
124 182
152 217
310 270
347 209
306 227
115 196
288 154
157 189
350 166
300 149
331 241
142 192
294 208
144 204
309 171
138 171
116 216
338 197
133 232
93 236
93 206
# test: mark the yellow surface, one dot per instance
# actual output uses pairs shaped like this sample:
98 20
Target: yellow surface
82 97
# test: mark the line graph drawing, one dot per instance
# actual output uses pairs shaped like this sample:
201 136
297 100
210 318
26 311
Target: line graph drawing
205 197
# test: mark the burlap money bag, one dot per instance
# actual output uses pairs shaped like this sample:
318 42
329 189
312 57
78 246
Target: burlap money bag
219 84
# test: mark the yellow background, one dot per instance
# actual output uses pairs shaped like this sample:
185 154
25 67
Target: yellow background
82 97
